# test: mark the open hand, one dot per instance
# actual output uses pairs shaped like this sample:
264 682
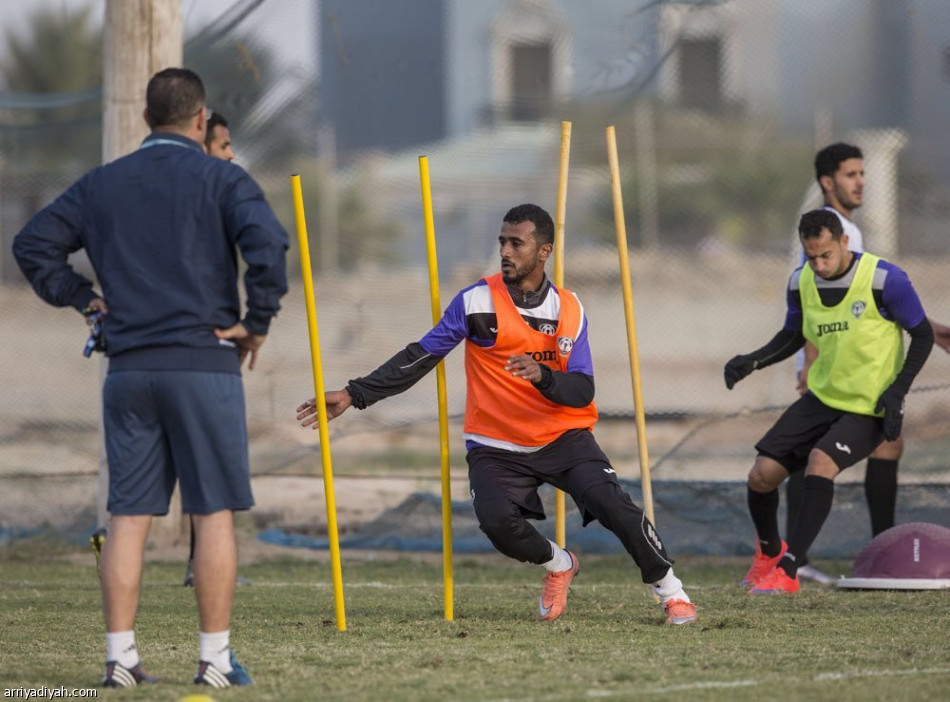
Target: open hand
523 366
337 401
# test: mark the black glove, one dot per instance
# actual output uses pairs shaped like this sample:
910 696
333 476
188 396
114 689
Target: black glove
891 403
738 368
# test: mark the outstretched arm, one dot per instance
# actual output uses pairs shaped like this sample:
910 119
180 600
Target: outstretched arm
782 345
396 375
400 372
337 402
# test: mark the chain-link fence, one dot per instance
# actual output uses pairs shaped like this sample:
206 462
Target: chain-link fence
719 108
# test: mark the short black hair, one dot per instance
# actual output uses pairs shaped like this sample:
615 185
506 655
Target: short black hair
173 96
215 119
543 224
811 224
830 158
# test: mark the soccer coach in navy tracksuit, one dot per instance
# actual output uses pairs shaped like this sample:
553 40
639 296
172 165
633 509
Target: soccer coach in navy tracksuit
162 228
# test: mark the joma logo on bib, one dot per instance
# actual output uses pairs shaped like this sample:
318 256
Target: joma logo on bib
541 356
832 328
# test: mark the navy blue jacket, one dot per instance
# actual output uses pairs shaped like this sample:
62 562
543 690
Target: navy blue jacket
162 228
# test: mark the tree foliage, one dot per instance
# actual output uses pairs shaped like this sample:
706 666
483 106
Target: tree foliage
720 180
59 52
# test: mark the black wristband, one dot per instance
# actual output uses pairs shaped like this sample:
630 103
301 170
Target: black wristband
359 402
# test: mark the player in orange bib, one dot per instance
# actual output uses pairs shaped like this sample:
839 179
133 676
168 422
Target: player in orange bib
528 416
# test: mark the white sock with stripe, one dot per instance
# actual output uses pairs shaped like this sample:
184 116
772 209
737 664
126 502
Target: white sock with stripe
560 559
216 649
670 588
120 647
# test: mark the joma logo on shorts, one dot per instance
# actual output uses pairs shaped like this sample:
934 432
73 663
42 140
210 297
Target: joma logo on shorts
831 328
540 356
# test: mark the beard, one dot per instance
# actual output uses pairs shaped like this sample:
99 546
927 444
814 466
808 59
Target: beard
513 274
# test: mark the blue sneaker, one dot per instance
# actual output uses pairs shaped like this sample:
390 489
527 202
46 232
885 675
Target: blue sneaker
119 676
211 676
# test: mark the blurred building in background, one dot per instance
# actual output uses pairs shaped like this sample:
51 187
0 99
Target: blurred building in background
395 75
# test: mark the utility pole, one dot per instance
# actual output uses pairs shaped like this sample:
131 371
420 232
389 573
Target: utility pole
881 148
140 38
645 149
329 211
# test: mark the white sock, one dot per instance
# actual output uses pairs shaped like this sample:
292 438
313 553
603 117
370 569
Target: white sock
216 649
670 588
560 559
120 647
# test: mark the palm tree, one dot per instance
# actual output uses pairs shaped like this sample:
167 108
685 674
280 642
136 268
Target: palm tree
53 72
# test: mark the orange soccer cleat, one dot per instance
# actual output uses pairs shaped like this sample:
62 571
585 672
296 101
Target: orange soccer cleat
680 612
762 565
553 600
776 583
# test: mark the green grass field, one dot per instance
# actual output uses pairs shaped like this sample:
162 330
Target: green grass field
819 645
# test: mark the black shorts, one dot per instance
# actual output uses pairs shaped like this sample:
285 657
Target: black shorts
573 463
809 423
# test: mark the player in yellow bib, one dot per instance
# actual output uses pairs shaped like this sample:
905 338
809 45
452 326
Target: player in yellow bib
852 307
839 171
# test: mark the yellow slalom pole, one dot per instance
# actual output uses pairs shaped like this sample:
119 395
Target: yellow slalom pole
319 389
560 530
631 324
440 385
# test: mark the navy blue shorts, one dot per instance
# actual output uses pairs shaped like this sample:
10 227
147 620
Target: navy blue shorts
166 425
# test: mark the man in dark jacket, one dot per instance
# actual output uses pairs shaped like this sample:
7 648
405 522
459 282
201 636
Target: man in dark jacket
162 228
